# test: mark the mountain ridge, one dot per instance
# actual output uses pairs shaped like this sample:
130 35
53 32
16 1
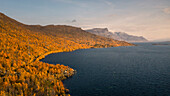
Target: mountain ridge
122 36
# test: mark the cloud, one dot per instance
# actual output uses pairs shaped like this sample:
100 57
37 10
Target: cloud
74 21
166 10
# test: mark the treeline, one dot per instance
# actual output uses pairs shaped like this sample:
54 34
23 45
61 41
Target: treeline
21 47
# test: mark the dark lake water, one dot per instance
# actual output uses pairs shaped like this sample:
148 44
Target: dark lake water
142 70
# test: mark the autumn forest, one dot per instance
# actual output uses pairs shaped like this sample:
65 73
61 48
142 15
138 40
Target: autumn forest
22 46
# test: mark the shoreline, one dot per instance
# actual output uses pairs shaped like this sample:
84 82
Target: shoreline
53 52
73 72
57 51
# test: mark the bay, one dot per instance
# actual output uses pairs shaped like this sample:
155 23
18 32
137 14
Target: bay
142 70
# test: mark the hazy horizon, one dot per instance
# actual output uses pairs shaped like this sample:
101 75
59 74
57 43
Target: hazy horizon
148 18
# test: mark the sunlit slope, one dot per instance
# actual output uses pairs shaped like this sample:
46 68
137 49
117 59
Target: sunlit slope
76 35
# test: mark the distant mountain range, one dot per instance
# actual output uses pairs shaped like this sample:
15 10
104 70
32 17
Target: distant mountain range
121 36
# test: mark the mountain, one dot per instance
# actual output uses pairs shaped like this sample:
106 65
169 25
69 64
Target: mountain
117 35
21 47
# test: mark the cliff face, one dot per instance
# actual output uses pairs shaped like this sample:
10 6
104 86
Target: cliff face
117 35
21 46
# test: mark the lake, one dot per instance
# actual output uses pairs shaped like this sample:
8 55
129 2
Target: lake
142 70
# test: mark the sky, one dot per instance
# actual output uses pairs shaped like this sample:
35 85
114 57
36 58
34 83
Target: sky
148 18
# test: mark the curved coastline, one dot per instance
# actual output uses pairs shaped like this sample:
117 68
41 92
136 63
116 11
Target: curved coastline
58 51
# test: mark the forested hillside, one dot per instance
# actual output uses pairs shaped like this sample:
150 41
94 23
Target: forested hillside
21 47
